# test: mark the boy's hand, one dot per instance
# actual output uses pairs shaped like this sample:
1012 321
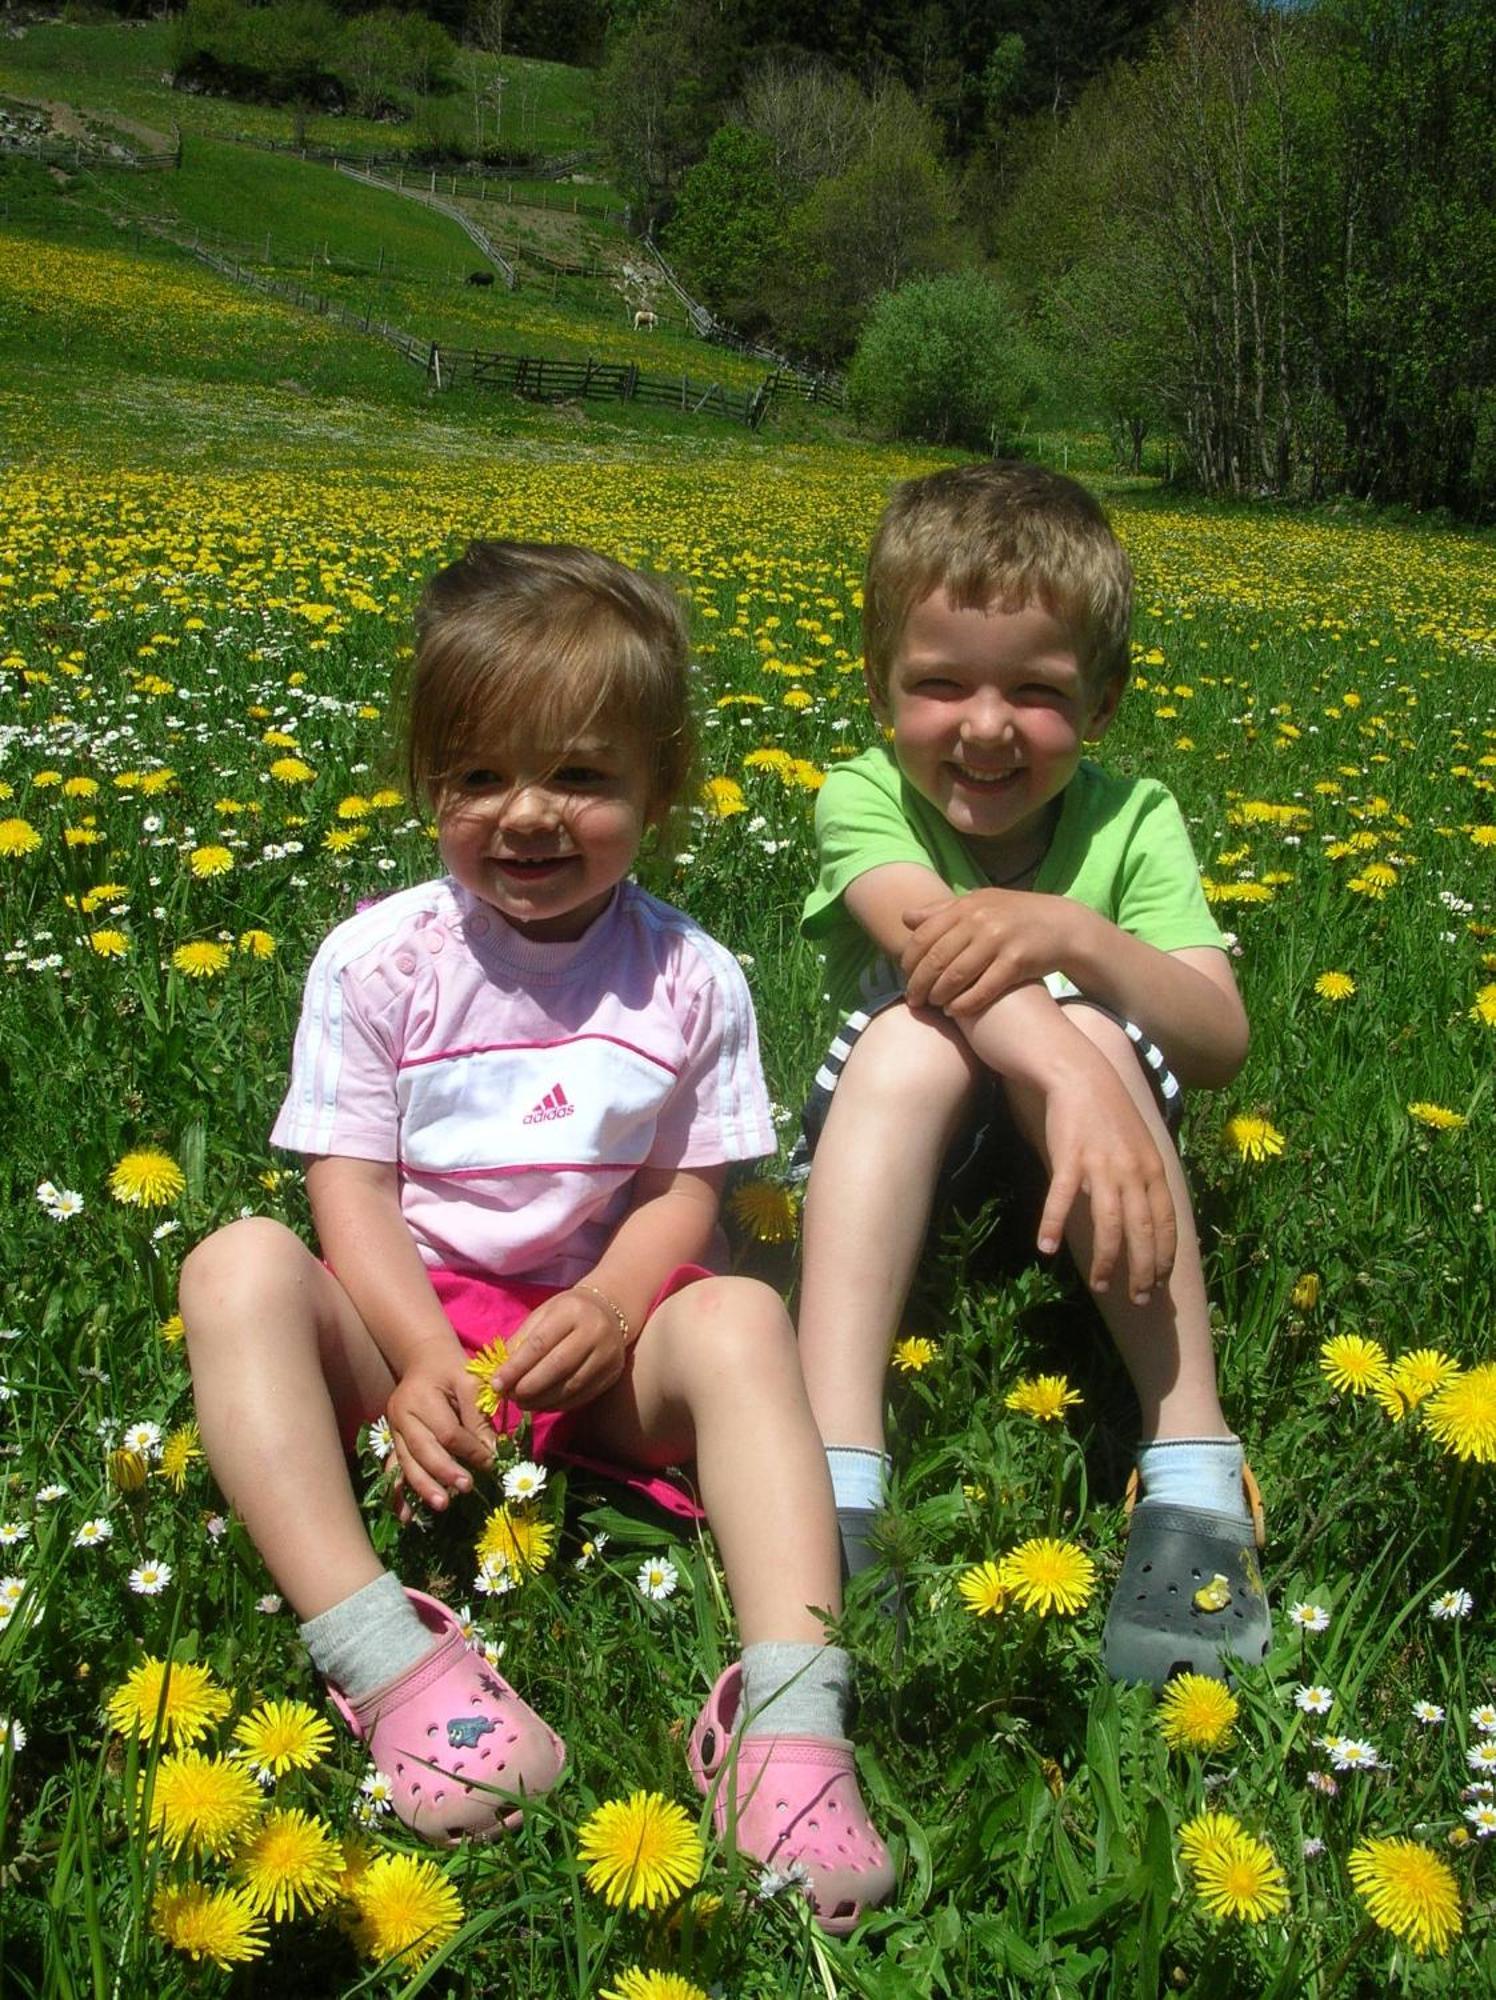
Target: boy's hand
964 954
567 1352
435 1423
1098 1145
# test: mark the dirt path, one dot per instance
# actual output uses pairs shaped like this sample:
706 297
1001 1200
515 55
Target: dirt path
68 122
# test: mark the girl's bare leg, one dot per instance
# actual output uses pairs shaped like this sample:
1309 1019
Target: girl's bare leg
284 1371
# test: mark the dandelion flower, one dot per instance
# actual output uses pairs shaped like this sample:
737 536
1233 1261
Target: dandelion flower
1462 1415
638 1983
171 1330
641 1851
1196 1712
483 1366
769 1213
724 796
982 1587
1305 1294
257 944
913 1354
1244 1882
290 1863
18 837
202 1803
1436 1117
1483 1009
180 1450
1334 986
657 1579
1208 1835
192 1702
1254 1139
1045 1398
1353 1363
217 1924
406 1908
281 1736
1047 1575
202 959
109 943
206 862
1419 1373
1409 1891
515 1542
147 1179
291 771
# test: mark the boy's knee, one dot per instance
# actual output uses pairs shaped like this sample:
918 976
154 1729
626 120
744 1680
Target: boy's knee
903 1057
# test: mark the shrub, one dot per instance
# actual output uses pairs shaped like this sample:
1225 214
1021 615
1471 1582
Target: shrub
939 361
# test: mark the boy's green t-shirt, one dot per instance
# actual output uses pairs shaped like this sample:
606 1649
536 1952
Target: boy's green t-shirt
1121 847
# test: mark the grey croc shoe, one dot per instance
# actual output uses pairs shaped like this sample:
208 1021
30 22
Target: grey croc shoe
1190 1593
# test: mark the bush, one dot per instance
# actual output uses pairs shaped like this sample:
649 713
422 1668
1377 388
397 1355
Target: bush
940 362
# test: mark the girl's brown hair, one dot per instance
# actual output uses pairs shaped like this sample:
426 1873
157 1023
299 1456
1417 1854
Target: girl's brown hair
550 641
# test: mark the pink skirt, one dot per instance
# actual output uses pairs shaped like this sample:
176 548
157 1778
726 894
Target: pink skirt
485 1309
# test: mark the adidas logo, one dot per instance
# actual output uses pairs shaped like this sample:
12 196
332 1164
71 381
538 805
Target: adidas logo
553 1105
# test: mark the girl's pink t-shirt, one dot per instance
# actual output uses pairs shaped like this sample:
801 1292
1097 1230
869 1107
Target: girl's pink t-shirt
519 1086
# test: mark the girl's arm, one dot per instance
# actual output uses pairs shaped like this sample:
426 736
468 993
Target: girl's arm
572 1348
433 1412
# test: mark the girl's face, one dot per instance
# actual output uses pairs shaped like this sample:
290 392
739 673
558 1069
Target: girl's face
545 836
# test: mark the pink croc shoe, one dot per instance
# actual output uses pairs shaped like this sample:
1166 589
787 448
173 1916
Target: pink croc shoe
459 1746
793 1803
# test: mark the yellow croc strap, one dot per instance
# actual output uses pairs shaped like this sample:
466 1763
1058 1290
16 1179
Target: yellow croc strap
1250 1489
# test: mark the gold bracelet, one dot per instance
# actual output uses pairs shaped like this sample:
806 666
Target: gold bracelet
613 1307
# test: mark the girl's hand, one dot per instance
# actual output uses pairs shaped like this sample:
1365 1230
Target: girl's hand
567 1352
435 1423
965 953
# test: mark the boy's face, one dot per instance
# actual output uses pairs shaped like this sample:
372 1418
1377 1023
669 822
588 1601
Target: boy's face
990 711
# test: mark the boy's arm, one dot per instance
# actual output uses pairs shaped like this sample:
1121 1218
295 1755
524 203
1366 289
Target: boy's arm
432 1410
961 953
572 1347
1094 1136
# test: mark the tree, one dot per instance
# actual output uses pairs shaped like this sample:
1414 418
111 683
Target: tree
941 361
728 224
660 94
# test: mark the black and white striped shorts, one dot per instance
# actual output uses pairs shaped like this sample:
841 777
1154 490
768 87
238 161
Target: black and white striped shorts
990 1128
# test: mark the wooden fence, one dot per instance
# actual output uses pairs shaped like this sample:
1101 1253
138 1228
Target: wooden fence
471 229
74 155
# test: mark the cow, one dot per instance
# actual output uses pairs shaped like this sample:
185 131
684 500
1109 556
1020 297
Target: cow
480 277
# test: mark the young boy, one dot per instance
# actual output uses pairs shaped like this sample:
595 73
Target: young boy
1024 963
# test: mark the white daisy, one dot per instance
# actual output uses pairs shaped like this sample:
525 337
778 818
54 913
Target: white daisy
494 1578
1354 1753
269 1604
144 1438
12 1532
1314 1700
150 1578
1481 1756
1427 1711
47 1494
1309 1617
525 1481
378 1791
657 1578
1312 1849
13 1733
381 1439
1451 1604
1483 1818
92 1533
1484 1718
68 1204
12 1590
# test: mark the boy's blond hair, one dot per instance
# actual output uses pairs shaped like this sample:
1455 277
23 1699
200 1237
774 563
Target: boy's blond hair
1000 535
545 642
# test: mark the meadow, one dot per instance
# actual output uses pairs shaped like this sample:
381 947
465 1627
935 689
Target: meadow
205 586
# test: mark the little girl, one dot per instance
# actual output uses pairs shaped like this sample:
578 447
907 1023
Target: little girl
518 1088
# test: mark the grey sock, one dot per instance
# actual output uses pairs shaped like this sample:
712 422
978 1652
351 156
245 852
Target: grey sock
855 1526
795 1689
368 1639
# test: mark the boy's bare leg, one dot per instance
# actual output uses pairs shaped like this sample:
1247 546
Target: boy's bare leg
1165 1344
284 1371
899 1104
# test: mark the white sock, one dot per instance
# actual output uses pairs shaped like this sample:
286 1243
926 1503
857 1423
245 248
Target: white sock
859 1477
368 1639
794 1689
1195 1472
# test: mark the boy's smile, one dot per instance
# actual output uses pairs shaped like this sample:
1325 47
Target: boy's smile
990 711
